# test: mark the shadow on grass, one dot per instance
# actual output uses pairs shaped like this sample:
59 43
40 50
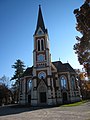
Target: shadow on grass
16 109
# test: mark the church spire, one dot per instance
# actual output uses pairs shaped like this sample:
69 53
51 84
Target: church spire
40 21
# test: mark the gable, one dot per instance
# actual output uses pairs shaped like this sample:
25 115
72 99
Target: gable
42 86
39 31
66 67
53 68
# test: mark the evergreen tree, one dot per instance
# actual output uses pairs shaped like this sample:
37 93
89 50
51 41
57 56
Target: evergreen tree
82 47
19 70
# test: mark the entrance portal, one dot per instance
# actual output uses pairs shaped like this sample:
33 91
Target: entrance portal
29 99
42 97
64 95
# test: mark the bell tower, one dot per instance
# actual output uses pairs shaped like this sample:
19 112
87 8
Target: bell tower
41 92
41 55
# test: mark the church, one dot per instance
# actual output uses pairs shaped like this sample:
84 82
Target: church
47 82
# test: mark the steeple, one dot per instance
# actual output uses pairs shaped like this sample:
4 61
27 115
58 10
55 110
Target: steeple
40 21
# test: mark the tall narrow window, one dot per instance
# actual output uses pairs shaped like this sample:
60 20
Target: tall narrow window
38 45
63 81
73 83
21 87
30 84
42 45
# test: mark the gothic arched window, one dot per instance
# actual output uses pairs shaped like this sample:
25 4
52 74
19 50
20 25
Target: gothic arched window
73 83
29 84
63 82
40 44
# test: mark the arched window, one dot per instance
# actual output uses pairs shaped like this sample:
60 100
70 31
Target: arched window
63 82
30 84
73 83
40 44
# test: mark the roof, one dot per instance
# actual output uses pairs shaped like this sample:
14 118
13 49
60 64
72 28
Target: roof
28 72
40 22
66 67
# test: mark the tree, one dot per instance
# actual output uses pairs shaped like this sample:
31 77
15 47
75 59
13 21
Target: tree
5 94
82 47
19 70
5 80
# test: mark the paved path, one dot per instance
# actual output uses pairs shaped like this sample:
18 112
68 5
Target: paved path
81 112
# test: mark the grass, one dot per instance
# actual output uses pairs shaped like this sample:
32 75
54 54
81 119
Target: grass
75 104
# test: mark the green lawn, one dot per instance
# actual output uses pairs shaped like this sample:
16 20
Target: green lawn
75 104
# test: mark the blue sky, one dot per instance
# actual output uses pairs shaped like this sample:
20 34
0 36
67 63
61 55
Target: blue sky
18 20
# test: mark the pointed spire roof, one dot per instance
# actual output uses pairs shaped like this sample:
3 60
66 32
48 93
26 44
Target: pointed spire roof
40 21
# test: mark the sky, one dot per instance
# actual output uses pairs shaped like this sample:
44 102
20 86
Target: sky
18 19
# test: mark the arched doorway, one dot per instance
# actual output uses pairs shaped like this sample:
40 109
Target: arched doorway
42 93
42 97
64 96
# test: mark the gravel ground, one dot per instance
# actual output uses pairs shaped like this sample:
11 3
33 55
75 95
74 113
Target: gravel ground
81 112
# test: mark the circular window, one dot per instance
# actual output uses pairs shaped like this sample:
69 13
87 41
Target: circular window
42 75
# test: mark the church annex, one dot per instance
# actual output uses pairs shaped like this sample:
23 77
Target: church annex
46 82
